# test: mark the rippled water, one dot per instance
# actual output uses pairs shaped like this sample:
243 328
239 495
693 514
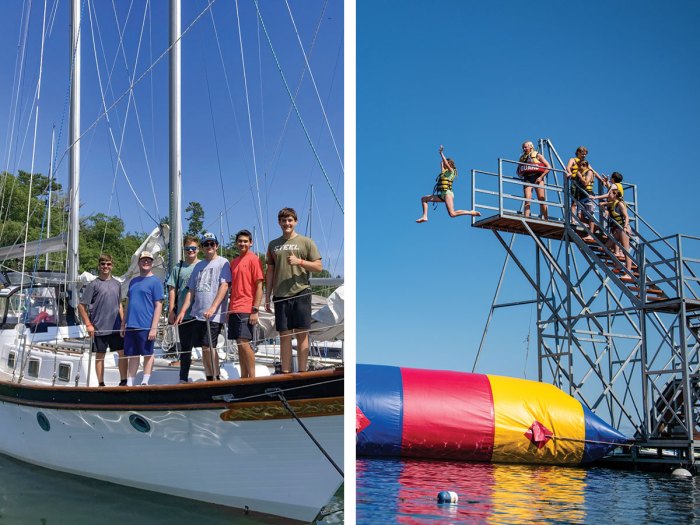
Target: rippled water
395 491
34 495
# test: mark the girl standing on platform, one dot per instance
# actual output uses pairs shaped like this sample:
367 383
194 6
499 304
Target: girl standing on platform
443 191
533 169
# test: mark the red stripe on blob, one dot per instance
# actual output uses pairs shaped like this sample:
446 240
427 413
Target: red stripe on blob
447 415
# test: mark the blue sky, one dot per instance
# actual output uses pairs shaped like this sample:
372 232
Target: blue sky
480 78
217 151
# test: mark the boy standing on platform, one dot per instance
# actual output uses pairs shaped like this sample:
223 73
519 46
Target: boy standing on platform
206 292
140 325
101 310
177 290
290 261
246 295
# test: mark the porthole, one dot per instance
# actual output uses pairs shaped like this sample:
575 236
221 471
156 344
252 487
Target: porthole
11 360
139 423
64 372
43 421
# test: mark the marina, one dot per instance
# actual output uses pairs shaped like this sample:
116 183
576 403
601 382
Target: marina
268 444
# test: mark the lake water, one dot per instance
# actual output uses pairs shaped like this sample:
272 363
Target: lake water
34 495
405 492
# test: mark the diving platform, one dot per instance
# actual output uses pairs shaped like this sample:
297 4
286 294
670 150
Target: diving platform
618 325
510 222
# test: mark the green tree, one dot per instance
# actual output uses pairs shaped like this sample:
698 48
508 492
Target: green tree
100 233
195 220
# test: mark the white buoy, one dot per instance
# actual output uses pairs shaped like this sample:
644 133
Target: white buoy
447 496
681 473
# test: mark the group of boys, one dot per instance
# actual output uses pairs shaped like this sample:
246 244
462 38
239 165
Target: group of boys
197 291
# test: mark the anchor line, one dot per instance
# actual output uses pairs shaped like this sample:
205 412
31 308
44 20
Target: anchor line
272 392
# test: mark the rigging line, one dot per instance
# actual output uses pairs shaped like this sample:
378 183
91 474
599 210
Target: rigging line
20 82
150 58
120 45
136 112
14 102
262 91
226 80
296 91
36 128
19 76
250 124
296 109
137 81
216 143
314 202
313 81
118 149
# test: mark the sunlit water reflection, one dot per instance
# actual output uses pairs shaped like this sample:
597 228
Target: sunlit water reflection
405 492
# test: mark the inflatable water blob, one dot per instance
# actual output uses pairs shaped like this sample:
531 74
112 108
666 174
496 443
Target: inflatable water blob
408 412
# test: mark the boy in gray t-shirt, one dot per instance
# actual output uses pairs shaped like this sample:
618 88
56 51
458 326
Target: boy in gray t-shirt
101 310
206 292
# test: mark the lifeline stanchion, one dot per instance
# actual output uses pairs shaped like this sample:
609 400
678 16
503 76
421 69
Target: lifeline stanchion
277 392
212 349
92 345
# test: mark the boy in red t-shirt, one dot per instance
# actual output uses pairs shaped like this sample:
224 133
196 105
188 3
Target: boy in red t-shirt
246 295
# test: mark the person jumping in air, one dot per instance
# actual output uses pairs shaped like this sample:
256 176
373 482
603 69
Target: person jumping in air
443 191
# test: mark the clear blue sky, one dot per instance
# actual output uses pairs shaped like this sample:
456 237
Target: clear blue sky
222 179
480 78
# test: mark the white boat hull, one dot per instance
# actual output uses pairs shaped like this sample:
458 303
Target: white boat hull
269 466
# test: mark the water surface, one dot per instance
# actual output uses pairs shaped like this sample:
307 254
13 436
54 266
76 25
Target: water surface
35 495
405 492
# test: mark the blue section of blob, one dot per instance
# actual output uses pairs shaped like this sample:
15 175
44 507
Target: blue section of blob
380 397
601 438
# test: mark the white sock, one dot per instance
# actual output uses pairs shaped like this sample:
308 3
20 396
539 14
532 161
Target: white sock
129 381
146 378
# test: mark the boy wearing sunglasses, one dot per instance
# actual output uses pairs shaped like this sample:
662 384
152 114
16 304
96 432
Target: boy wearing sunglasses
177 290
206 291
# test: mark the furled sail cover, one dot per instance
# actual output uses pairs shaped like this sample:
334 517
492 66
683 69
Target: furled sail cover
476 417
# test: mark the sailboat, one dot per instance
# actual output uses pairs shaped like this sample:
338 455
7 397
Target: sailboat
271 444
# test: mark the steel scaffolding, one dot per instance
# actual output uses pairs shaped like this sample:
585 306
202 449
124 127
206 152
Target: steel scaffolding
624 342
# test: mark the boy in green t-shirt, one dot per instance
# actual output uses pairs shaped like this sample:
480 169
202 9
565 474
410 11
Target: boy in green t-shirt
290 260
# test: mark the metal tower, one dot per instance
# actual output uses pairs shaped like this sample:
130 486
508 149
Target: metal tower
624 342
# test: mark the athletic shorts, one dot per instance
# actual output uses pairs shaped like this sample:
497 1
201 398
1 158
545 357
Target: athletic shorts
293 312
113 341
588 205
201 333
186 330
531 178
136 342
239 327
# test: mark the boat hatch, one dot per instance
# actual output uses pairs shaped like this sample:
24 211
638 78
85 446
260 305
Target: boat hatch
11 359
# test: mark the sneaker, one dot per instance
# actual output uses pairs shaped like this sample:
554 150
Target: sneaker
101 384
183 382
144 384
122 382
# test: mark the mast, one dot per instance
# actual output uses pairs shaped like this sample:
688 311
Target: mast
175 137
48 207
74 155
